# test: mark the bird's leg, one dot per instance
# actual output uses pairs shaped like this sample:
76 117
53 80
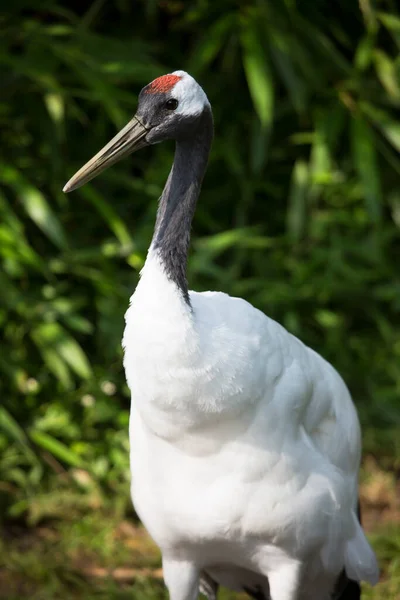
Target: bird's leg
208 587
182 579
284 581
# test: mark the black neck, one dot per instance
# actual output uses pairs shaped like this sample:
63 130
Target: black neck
178 201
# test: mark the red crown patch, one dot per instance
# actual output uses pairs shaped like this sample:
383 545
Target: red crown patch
162 84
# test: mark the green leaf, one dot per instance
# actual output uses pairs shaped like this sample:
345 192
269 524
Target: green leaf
40 212
53 338
364 52
98 85
55 106
35 205
295 84
110 217
366 162
390 20
55 447
323 48
259 146
10 426
384 122
13 243
258 74
297 204
15 432
392 24
387 73
53 361
320 154
212 43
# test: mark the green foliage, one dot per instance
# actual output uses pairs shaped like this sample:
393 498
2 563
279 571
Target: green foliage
300 210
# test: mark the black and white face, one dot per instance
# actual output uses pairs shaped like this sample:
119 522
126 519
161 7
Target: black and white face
170 108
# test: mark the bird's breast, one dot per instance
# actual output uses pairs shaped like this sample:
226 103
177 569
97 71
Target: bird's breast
249 487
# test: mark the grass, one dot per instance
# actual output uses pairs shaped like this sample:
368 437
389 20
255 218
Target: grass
99 554
95 556
386 542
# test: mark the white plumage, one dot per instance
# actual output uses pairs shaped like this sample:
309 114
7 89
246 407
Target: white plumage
245 444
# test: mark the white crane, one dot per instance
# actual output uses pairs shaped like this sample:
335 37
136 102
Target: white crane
245 443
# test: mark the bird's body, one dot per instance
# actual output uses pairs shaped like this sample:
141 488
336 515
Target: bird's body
245 444
248 470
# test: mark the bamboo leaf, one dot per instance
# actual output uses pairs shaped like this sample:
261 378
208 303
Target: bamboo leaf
259 146
40 212
55 364
10 426
320 154
35 205
14 431
110 217
387 73
280 51
212 43
366 163
297 204
364 52
55 447
392 23
58 347
390 20
258 74
389 127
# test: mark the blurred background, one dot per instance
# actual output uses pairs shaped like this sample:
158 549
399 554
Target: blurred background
299 214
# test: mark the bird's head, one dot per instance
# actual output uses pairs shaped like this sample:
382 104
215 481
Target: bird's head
169 108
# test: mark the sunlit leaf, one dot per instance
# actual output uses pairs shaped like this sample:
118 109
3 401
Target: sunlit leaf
297 204
364 52
55 106
55 447
61 351
258 74
389 127
388 73
392 22
321 162
40 212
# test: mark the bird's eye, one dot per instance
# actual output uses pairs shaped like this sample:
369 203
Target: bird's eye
171 104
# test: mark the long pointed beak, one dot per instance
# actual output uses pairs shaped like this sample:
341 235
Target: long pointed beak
129 139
